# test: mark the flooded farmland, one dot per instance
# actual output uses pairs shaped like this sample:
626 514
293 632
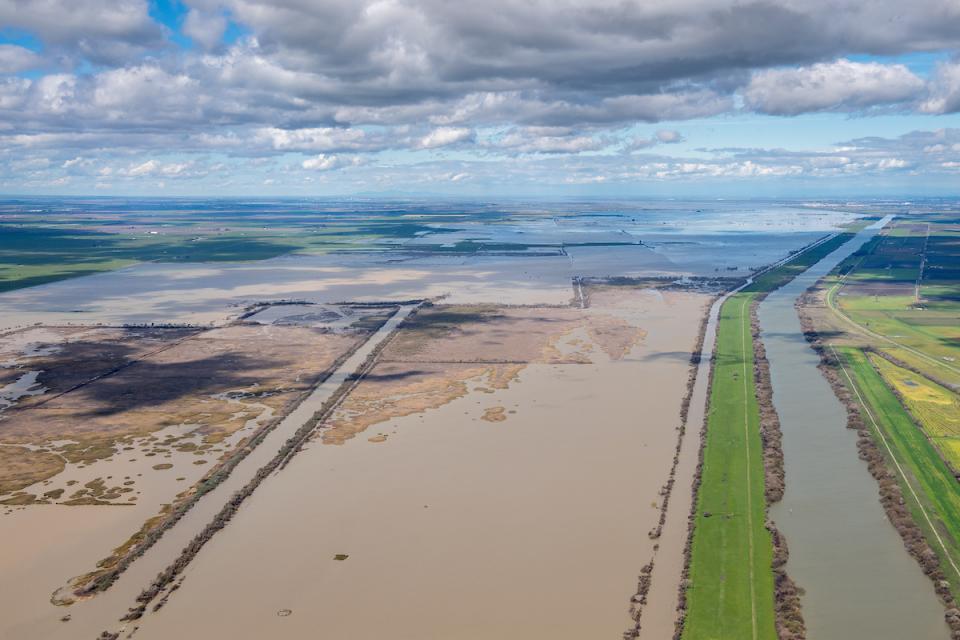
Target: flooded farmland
512 457
860 582
537 513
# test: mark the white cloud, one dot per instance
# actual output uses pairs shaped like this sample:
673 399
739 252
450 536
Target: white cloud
325 162
548 140
669 136
14 59
839 85
205 28
445 136
944 91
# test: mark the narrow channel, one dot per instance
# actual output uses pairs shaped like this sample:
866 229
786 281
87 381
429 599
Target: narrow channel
860 582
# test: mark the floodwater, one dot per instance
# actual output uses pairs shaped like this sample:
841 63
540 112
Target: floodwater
860 582
457 528
659 614
37 619
678 242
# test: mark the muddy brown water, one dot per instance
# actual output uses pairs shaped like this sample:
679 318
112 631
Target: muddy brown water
35 618
860 582
454 527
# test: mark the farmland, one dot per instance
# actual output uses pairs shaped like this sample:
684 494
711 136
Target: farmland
891 315
930 486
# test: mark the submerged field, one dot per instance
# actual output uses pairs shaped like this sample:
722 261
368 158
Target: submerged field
515 455
509 446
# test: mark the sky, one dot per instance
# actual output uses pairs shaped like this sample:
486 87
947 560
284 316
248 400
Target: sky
798 98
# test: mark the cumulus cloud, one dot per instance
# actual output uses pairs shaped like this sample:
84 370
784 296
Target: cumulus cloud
547 140
325 162
110 33
14 58
944 95
330 81
669 136
205 28
663 136
445 136
838 85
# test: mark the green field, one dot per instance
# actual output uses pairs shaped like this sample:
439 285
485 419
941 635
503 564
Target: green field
927 482
879 286
731 590
776 278
33 254
900 295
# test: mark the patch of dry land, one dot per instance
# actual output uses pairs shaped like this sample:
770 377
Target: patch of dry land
495 475
117 424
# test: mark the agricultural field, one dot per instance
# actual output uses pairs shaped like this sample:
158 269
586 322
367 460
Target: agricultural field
930 486
902 293
892 313
33 253
934 408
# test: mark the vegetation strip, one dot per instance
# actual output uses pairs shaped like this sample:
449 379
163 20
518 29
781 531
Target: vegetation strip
715 587
725 594
905 479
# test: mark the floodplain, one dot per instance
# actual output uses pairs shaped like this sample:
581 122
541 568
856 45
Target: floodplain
490 403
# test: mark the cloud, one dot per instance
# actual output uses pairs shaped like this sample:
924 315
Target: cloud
111 33
547 140
944 93
840 85
205 28
154 168
669 136
533 81
14 59
663 136
445 136
324 162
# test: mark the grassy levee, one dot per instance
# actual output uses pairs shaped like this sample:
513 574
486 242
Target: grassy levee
730 593
776 278
928 485
730 590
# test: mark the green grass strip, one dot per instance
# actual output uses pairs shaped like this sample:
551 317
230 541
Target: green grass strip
730 595
927 483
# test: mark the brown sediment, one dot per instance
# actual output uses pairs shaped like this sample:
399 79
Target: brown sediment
639 598
21 467
99 404
494 414
398 389
786 595
543 464
110 568
291 447
890 493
